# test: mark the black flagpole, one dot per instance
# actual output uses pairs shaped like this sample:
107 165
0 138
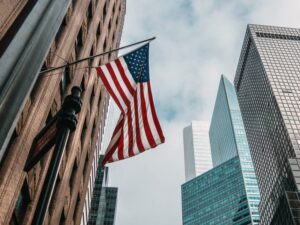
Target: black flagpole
91 57
66 124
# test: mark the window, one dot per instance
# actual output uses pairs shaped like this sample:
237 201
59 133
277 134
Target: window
77 206
90 61
21 205
79 42
83 133
65 81
62 218
98 31
82 85
89 13
104 45
278 36
60 30
104 10
73 175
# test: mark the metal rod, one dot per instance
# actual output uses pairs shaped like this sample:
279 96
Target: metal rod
66 123
94 56
51 177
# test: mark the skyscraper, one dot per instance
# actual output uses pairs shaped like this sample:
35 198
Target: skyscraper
197 155
233 174
102 209
108 206
34 36
267 83
228 139
217 197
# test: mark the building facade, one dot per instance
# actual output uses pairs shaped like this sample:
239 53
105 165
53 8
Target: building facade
228 139
108 206
102 209
228 193
197 155
217 197
79 28
267 83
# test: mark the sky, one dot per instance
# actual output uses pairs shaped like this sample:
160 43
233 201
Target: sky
197 41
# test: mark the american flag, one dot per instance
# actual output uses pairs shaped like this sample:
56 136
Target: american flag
127 81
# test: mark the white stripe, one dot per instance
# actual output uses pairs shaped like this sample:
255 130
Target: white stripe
140 119
125 138
115 155
113 87
149 116
135 147
121 81
115 138
127 72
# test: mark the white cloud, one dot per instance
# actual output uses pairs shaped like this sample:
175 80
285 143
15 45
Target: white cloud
197 41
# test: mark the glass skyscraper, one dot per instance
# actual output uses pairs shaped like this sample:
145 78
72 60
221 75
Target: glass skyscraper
104 200
267 82
217 197
233 175
228 139
197 155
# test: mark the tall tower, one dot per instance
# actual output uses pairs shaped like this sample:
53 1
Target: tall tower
228 139
233 175
197 155
267 83
34 36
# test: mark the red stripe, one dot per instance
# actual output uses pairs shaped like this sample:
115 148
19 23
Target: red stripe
145 120
117 84
154 116
137 125
110 152
130 135
121 146
106 84
118 126
108 156
124 76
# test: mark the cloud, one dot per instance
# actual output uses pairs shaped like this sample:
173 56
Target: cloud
197 41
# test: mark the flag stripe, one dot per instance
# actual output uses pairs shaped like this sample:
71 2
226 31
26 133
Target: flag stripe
124 77
114 141
108 87
154 116
137 125
114 87
145 119
130 134
122 83
117 83
144 138
127 72
151 122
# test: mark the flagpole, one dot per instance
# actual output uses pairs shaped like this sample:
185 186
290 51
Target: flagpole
94 56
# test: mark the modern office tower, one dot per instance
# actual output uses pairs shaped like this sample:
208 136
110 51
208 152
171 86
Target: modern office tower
34 36
108 206
228 139
217 197
102 209
228 193
197 156
267 82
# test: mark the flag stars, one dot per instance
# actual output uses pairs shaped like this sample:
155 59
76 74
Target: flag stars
138 65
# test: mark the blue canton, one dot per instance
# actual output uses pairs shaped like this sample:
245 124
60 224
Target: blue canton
138 63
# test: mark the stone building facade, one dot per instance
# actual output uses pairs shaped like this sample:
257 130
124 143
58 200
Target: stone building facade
88 27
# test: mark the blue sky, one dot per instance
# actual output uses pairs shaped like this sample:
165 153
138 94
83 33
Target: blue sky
197 41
